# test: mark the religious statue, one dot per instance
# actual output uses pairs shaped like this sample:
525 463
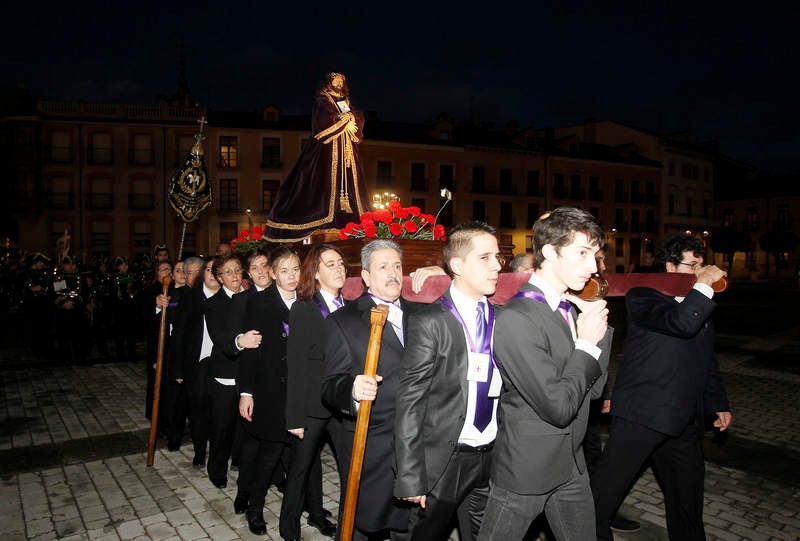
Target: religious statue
325 187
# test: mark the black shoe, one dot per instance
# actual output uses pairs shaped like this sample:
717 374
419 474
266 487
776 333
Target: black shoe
199 460
240 503
325 526
325 512
255 521
622 524
220 483
173 447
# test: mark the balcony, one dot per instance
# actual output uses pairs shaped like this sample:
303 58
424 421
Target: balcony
60 201
140 156
269 163
100 201
141 201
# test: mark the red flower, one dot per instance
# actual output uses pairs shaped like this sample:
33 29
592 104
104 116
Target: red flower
233 244
366 216
244 235
401 213
438 232
410 226
395 229
257 231
429 218
369 229
342 234
394 206
382 216
414 211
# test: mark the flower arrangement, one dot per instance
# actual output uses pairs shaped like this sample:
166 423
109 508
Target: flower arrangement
394 222
249 239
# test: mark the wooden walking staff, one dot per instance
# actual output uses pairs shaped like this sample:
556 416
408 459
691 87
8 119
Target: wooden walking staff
377 320
162 336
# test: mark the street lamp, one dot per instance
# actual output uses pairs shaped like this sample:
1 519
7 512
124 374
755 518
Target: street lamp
249 219
382 200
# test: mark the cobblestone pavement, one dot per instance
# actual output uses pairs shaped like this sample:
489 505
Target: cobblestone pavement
73 442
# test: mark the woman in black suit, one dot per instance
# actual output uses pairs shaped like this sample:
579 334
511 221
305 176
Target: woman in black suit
261 377
318 295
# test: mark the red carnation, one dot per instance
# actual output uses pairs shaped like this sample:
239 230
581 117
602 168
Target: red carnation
233 244
415 211
402 213
395 229
438 232
429 218
369 229
257 231
342 235
382 216
366 216
394 206
411 226
244 235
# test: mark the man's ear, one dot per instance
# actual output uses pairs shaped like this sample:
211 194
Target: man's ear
365 276
671 267
549 252
456 264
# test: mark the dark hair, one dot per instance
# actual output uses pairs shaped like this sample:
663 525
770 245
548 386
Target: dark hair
559 227
221 260
281 252
308 285
673 247
253 254
459 241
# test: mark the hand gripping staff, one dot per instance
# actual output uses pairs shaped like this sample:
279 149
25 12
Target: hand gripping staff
377 319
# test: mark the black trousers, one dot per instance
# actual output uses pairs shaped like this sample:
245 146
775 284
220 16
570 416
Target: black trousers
678 466
304 479
197 397
224 408
257 461
461 491
174 411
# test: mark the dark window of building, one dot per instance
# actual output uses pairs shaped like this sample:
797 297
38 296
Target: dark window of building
751 219
141 196
479 210
384 177
419 182
142 236
533 213
559 186
636 221
60 150
619 220
228 231
620 195
141 151
782 218
269 190
728 218
100 151
506 183
478 179
671 204
270 152
100 240
506 215
420 202
101 196
576 190
228 151
447 177
595 193
228 194
533 183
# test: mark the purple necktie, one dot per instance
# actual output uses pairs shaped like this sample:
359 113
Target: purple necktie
483 404
564 307
338 302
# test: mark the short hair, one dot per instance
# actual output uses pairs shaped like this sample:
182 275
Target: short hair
221 260
559 227
194 260
307 284
520 263
253 254
372 247
281 252
673 247
459 241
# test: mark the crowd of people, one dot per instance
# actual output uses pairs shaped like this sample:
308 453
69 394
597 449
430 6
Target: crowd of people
481 414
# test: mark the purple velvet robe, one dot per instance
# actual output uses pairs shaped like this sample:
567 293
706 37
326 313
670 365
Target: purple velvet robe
327 173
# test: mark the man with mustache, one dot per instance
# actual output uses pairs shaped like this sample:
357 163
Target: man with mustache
344 386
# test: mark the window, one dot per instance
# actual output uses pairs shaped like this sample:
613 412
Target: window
595 193
689 203
447 177
269 190
728 217
384 177
671 201
228 231
100 151
189 244
672 168
533 183
650 221
270 152
228 151
636 221
141 195
533 213
619 247
60 194
619 220
100 239
142 151
576 190
101 196
142 234
620 195
506 183
183 145
506 215
634 247
636 194
751 219
478 179
418 181
228 194
60 150
650 192
782 218
559 186
479 210
420 202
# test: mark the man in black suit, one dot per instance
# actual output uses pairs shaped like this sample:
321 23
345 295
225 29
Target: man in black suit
551 363
667 382
445 422
345 385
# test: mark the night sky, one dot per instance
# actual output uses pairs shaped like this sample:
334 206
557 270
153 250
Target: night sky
722 72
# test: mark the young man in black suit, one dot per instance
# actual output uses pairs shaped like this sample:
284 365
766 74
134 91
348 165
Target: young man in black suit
551 363
668 381
445 422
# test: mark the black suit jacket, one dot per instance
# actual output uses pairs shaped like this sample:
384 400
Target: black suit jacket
348 332
187 335
543 408
262 371
431 399
223 330
305 359
669 372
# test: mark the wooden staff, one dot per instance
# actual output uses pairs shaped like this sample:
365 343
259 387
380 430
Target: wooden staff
377 319
162 333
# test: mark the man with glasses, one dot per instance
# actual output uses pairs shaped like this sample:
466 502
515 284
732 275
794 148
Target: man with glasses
667 383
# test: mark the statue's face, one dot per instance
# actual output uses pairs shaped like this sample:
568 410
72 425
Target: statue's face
337 83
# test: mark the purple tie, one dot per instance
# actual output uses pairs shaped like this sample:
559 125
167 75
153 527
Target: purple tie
564 307
483 404
338 302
